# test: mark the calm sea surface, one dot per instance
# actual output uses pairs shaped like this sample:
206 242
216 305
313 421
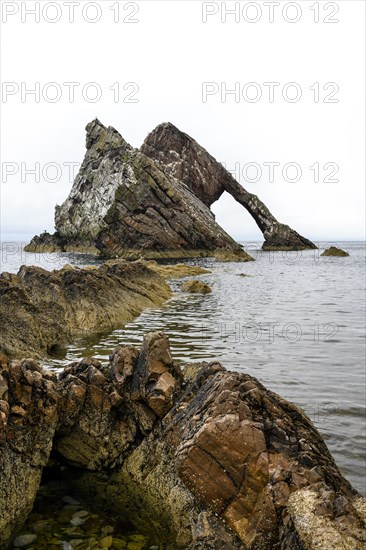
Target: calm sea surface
296 321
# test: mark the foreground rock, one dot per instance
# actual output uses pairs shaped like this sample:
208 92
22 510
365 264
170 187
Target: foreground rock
123 204
334 251
211 459
154 202
28 419
40 311
182 157
201 459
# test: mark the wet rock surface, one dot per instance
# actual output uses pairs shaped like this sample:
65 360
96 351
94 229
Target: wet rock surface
41 310
203 458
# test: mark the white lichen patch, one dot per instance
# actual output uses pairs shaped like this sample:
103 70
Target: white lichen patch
316 532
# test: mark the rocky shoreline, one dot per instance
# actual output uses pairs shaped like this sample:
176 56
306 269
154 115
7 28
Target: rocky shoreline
196 457
42 311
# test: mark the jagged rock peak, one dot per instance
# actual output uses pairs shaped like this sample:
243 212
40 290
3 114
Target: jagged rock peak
105 137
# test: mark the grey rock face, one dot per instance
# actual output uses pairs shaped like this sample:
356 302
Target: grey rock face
122 202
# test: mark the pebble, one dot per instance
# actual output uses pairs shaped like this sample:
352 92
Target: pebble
80 514
66 545
24 540
77 521
70 500
106 542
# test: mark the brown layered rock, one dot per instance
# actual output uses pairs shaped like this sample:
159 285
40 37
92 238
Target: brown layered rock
28 419
123 204
42 310
201 459
104 410
209 460
182 157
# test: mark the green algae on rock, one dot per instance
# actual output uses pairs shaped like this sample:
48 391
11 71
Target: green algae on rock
334 251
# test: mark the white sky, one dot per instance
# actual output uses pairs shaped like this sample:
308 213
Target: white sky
169 53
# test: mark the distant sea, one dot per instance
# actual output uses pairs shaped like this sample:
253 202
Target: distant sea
294 320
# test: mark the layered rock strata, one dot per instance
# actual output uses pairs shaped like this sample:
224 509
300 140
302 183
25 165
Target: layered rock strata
123 204
40 311
183 158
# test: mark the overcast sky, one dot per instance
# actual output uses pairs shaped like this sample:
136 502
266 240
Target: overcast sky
298 101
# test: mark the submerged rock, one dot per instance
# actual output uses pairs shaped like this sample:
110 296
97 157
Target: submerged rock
227 256
334 251
24 540
196 286
42 310
176 271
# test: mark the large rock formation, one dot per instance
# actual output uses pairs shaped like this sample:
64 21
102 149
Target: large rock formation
153 202
123 204
197 460
41 311
182 157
